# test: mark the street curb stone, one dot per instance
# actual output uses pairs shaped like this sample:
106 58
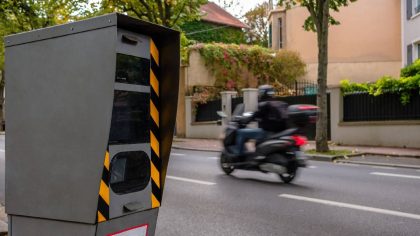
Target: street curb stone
195 149
330 158
379 164
393 155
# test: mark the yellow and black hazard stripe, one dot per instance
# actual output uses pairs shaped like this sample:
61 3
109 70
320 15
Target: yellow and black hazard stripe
156 194
103 202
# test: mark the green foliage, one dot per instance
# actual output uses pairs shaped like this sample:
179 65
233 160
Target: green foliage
169 13
404 86
201 94
229 63
23 15
411 70
350 87
185 43
205 32
257 20
317 13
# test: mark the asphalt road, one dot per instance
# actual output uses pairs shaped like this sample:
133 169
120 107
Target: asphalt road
326 199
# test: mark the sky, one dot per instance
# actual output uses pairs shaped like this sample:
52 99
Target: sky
241 7
238 10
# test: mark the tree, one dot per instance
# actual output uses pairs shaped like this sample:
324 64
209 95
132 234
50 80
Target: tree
24 15
319 21
169 13
257 20
234 7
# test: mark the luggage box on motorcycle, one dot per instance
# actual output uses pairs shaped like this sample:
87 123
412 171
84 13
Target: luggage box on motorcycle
302 115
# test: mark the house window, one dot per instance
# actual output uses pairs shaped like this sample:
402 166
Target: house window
270 35
280 33
418 50
416 6
409 8
410 54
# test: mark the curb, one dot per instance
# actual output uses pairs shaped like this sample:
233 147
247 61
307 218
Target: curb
378 164
393 155
322 158
194 149
329 158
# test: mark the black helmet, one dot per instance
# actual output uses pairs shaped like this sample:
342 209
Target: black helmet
265 92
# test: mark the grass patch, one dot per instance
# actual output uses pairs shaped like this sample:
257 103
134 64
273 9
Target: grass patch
331 152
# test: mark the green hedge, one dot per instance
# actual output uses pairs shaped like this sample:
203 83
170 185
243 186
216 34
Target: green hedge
405 85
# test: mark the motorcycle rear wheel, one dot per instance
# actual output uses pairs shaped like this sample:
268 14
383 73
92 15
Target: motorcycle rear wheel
288 177
224 164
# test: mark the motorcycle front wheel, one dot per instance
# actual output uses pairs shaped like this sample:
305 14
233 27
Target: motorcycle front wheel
224 164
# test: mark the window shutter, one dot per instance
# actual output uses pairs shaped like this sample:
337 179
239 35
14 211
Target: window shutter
418 51
409 54
409 9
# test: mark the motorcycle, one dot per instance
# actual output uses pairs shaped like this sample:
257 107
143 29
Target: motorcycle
278 153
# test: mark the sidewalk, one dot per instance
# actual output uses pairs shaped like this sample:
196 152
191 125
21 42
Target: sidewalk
382 156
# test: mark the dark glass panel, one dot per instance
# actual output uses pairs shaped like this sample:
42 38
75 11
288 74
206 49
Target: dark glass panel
130 118
130 172
132 70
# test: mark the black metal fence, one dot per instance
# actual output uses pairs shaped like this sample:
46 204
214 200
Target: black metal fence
236 101
365 107
297 88
208 111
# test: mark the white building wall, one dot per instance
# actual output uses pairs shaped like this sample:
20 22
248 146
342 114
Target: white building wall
410 30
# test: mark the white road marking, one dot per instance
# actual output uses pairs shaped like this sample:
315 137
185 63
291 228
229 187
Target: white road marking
312 167
395 175
190 180
213 158
177 154
352 206
384 167
2 150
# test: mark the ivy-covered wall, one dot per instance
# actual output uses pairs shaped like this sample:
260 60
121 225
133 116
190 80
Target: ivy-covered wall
209 32
215 67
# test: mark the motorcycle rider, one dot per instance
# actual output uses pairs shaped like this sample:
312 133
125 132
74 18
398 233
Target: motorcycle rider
271 116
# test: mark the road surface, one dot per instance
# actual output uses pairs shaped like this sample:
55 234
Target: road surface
326 199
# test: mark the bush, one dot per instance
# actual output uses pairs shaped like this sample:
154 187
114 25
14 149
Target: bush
411 70
229 63
409 82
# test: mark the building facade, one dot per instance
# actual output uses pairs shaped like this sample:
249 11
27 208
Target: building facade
410 14
364 47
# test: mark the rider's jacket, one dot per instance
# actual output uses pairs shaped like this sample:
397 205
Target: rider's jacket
272 115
